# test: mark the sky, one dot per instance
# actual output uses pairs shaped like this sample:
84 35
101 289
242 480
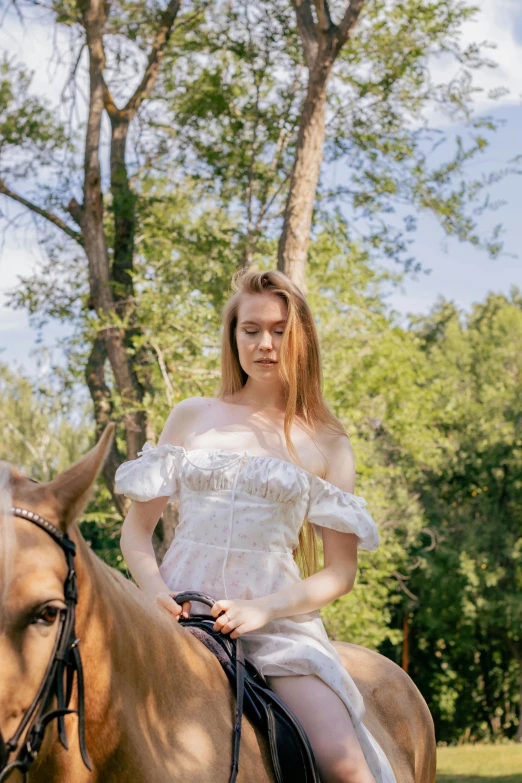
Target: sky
457 271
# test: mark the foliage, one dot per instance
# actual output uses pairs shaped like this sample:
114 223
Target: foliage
43 434
432 410
467 625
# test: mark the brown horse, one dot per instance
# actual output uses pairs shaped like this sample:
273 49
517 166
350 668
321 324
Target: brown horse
158 706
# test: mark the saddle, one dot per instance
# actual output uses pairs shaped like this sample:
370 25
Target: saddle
292 756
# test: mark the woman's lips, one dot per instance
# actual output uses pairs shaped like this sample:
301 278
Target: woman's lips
265 361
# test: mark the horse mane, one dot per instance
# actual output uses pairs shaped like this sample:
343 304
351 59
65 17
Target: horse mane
102 575
121 595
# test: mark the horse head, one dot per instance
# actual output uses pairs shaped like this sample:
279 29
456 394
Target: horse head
38 595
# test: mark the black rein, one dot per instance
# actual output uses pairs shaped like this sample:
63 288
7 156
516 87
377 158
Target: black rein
64 663
239 661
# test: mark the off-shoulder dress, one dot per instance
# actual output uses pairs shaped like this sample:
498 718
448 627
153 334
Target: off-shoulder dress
239 520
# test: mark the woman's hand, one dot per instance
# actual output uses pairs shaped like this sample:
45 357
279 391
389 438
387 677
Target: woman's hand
240 615
166 601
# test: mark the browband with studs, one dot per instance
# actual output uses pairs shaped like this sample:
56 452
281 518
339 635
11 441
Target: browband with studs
32 516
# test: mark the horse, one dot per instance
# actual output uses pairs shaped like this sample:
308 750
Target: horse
149 701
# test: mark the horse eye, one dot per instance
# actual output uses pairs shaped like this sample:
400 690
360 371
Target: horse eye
46 615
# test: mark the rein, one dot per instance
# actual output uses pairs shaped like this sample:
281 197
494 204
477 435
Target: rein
239 661
64 663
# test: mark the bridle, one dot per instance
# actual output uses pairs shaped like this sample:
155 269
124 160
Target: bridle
64 663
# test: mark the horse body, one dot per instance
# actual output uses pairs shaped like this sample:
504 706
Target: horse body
158 706
396 713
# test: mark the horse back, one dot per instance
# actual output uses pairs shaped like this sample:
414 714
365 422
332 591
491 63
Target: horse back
396 713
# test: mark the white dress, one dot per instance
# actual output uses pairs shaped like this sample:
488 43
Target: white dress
239 520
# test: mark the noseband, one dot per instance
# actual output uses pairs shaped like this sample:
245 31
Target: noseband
64 663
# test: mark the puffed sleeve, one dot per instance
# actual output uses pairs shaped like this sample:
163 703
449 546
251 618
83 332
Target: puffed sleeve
336 509
153 474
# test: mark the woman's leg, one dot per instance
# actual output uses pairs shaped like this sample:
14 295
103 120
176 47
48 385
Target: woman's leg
327 722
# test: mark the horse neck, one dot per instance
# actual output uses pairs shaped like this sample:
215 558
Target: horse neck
140 666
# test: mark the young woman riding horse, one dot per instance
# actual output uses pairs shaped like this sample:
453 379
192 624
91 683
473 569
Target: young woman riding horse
99 684
254 468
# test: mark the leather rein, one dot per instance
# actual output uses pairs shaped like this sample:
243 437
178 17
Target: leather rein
239 661
64 663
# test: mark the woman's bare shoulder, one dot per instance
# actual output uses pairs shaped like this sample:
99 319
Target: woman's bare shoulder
182 416
338 450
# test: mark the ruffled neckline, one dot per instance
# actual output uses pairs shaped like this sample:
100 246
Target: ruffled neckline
326 486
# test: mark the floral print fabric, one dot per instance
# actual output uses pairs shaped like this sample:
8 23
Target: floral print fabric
239 521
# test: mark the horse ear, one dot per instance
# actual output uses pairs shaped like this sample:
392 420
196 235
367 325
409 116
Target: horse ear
72 488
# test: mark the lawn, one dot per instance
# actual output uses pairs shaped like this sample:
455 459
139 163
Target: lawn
480 764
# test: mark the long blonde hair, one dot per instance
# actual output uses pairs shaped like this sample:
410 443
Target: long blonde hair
300 373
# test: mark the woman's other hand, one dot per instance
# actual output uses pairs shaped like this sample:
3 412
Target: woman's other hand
166 601
240 616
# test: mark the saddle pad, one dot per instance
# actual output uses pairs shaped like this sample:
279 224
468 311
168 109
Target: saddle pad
290 750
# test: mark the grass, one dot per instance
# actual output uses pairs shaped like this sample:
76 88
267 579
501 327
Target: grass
480 764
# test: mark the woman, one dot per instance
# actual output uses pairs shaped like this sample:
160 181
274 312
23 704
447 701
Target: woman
259 470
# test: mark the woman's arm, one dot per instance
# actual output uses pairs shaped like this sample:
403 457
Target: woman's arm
137 549
141 520
340 549
136 544
335 579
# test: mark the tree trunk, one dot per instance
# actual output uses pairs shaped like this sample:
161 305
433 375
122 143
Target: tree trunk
295 238
102 298
518 657
322 40
124 208
103 410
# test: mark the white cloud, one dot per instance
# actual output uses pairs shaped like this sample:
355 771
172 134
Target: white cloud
32 44
16 259
496 23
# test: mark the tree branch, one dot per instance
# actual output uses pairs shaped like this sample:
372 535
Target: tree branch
50 216
348 23
108 101
400 579
75 210
155 57
307 31
430 533
323 15
169 390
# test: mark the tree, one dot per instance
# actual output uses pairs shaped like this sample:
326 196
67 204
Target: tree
110 278
322 41
379 88
42 433
215 113
467 627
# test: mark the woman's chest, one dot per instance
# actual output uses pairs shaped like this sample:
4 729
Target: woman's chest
239 521
258 437
259 480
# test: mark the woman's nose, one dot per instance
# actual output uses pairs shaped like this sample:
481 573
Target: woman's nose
266 340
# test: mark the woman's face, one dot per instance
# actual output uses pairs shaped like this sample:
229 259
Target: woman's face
259 332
